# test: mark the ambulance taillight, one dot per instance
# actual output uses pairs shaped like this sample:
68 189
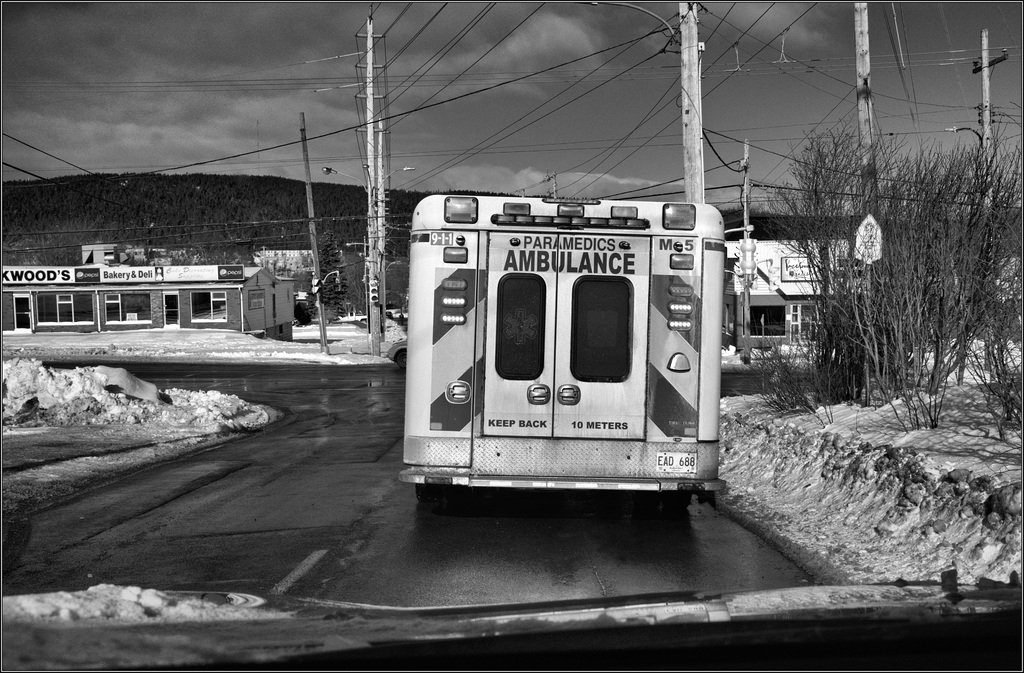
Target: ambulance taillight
453 301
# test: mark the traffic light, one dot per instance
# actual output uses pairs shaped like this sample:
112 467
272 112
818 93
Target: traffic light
748 263
316 286
374 291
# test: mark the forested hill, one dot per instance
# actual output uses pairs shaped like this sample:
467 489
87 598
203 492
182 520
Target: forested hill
222 217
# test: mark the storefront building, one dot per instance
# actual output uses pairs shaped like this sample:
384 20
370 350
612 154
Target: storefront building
781 299
116 298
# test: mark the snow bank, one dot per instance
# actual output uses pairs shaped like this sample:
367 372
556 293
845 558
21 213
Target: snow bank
37 396
130 604
114 432
864 513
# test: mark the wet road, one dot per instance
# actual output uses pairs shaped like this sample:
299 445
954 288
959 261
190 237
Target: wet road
311 507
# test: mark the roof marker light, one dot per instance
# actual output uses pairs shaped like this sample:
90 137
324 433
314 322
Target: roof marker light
516 209
461 209
679 216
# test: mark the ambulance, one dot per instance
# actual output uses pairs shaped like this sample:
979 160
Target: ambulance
563 344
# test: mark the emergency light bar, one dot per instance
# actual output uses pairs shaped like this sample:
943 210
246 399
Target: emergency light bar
549 221
569 215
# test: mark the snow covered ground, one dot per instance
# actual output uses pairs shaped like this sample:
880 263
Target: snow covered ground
347 344
857 501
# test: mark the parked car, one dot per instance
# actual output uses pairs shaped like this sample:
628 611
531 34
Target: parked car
397 353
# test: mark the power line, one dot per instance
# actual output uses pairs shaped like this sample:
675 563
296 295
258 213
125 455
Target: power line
624 45
442 52
482 56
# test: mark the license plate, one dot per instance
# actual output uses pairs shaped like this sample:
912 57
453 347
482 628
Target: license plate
677 462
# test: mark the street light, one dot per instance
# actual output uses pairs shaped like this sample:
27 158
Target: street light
957 129
332 88
671 30
403 168
330 171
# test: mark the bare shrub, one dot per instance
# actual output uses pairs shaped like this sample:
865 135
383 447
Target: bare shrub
995 362
905 322
789 380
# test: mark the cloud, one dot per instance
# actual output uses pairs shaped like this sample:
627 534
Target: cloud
502 179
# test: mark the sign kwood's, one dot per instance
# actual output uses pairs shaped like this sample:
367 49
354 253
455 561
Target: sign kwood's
71 275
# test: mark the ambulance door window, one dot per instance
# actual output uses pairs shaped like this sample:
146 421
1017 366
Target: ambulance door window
519 352
601 330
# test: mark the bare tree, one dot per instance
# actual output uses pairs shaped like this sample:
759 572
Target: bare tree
913 315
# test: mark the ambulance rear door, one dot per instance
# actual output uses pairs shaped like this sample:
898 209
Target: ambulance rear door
601 327
566 335
520 338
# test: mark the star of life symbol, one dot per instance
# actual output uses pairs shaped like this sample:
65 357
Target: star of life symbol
520 327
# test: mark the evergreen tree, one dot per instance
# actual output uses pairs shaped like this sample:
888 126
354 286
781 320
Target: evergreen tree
333 292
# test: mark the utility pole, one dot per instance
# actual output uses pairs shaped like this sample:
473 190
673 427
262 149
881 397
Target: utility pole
693 143
553 179
748 264
372 219
381 226
867 155
985 68
314 244
986 90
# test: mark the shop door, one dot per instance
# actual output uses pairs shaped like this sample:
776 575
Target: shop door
171 312
22 313
566 335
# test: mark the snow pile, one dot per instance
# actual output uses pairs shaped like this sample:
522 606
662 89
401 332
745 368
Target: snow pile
127 604
863 504
37 396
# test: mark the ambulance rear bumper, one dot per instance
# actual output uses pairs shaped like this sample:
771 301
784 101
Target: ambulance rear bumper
461 477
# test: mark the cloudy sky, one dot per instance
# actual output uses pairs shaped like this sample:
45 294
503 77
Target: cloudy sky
499 96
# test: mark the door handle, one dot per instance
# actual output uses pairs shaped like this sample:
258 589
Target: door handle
538 394
569 395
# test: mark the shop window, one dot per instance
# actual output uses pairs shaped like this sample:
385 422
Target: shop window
64 308
768 321
257 299
127 307
801 320
211 306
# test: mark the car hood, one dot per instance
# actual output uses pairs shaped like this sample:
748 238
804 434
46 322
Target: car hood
872 621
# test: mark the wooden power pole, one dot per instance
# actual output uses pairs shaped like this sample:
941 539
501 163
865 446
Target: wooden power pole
693 132
867 154
372 215
313 243
985 68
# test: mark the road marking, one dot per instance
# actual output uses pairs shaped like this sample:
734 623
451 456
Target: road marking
299 571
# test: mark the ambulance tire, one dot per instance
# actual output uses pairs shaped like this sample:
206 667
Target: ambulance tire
675 503
457 498
429 492
707 498
645 504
